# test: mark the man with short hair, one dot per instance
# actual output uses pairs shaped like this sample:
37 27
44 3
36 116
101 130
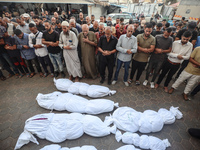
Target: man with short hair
107 49
121 20
158 30
126 46
38 23
57 17
9 26
88 22
146 45
92 19
53 20
109 18
50 38
102 19
23 26
88 42
35 41
121 30
95 27
58 27
136 31
162 47
72 23
81 18
117 21
181 50
69 42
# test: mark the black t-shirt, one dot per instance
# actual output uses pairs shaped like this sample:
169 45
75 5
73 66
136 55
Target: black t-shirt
80 22
93 30
194 34
53 37
10 41
136 32
40 27
2 49
59 30
154 33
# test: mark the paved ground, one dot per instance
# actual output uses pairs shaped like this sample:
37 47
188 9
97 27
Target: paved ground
17 103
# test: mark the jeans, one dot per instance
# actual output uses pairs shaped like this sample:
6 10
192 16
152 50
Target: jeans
30 65
126 69
196 90
46 59
56 61
6 58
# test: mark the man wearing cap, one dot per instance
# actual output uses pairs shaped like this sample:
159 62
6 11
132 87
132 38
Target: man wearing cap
68 42
191 27
23 26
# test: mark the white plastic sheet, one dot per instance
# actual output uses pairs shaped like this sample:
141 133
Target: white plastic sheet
130 120
60 127
74 103
58 147
127 147
144 141
93 91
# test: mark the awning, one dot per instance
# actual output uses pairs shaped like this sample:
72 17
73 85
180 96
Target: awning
48 1
122 6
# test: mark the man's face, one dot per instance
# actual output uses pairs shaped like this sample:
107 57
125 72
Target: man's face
101 19
85 31
7 14
121 27
47 26
37 22
129 32
32 14
92 18
44 19
56 15
53 20
163 23
95 25
58 25
117 21
108 34
33 30
81 15
20 36
73 24
88 20
109 19
147 31
136 25
6 34
166 34
101 29
184 40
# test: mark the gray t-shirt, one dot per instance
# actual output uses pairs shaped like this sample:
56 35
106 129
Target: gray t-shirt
163 43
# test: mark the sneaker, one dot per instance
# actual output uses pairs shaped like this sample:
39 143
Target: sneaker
137 82
45 74
114 82
145 82
52 75
130 81
126 83
152 85
62 74
102 81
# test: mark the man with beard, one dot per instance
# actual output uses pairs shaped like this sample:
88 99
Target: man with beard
68 42
163 46
121 30
38 23
51 40
81 18
23 26
95 27
88 41
146 45
181 50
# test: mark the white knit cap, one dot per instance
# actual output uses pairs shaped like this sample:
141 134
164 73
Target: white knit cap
65 23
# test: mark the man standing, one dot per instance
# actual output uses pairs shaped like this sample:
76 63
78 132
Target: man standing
68 42
92 19
72 23
38 23
191 73
51 40
146 45
35 41
81 18
107 48
22 25
95 27
27 53
121 30
126 46
163 46
88 42
88 22
181 50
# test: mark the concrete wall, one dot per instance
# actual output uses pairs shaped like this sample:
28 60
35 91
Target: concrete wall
96 10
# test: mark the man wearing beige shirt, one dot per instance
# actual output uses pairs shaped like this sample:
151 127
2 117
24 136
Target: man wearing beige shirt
181 50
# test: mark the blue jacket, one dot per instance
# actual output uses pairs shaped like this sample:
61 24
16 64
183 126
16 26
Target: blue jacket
25 53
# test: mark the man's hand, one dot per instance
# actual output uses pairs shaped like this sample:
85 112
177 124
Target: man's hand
106 53
195 66
86 40
159 50
26 47
179 57
51 44
67 47
129 51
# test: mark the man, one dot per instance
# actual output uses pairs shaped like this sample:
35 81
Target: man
9 26
117 21
142 26
121 30
58 27
181 50
107 49
53 20
167 25
95 27
109 18
163 46
72 23
146 45
164 21
92 19
81 18
118 25
158 30
102 19
50 38
136 31
35 41
68 42
191 73
22 25
9 15
27 18
38 23
191 27
88 42
27 53
126 46
57 17
88 22
32 14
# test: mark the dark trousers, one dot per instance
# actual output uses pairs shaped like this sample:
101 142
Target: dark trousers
126 69
46 59
6 66
196 90
20 64
156 64
139 66
183 66
168 69
30 65
106 61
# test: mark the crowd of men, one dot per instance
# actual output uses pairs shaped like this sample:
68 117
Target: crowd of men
87 47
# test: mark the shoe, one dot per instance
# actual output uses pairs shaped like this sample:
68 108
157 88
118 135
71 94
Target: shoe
28 75
137 82
156 86
114 82
62 74
52 75
3 78
126 83
10 75
152 85
166 89
171 91
21 75
195 132
145 82
130 81
102 81
31 75
46 74
185 97
41 74
56 73
109 82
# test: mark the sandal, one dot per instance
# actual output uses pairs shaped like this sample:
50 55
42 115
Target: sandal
130 81
77 79
28 75
31 75
71 78
21 75
41 74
